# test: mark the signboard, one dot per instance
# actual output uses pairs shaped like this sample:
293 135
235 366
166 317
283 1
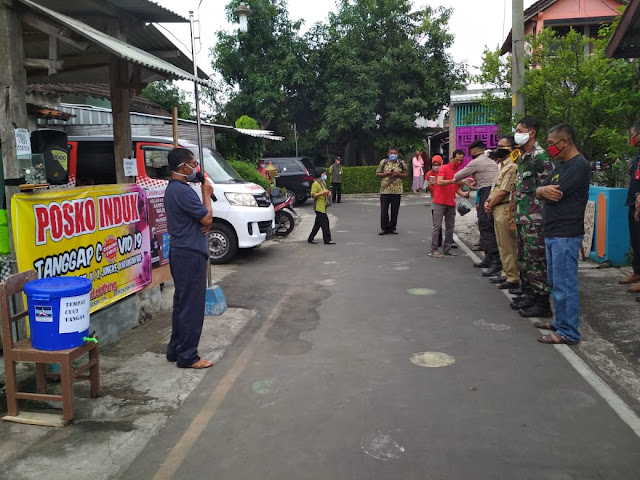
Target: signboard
130 167
23 142
158 226
100 233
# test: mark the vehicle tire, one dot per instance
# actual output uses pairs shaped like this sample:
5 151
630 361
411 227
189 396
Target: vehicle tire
285 223
290 193
223 244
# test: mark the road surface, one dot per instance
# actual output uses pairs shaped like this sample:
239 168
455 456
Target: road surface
370 360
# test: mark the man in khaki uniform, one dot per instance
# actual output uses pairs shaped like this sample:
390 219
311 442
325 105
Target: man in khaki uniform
499 204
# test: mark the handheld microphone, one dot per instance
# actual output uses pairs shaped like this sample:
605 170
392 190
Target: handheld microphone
201 179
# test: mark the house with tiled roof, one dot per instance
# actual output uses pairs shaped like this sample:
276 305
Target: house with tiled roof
586 16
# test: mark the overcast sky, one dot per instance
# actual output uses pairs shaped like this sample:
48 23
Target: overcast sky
474 23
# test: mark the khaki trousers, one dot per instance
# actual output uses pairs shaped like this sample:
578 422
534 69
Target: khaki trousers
506 243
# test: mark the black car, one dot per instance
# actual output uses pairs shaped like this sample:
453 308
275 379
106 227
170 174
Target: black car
294 175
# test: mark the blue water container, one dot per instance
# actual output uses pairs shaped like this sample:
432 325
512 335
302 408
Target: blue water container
58 312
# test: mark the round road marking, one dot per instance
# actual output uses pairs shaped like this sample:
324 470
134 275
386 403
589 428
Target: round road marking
264 387
381 447
421 291
432 359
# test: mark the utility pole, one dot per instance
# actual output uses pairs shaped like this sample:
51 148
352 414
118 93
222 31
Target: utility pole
517 56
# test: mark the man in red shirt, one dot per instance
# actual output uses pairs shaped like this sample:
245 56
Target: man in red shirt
444 202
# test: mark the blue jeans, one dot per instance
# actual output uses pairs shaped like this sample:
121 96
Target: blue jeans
562 271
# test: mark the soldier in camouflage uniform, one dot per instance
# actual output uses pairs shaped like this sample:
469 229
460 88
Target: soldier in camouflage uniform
533 168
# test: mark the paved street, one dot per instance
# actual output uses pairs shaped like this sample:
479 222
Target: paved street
331 379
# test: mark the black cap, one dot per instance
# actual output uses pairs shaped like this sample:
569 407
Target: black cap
318 173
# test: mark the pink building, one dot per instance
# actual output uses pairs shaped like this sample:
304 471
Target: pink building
584 16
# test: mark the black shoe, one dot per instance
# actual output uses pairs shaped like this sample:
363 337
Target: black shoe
339 201
495 269
330 243
541 308
507 285
516 291
483 264
312 241
525 301
393 232
497 279
383 232
536 311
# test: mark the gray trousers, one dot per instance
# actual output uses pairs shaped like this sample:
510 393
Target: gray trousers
447 213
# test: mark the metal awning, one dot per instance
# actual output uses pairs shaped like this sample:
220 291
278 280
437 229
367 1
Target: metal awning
115 46
145 10
625 42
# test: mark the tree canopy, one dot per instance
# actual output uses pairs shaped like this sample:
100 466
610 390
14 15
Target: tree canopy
569 79
168 95
353 85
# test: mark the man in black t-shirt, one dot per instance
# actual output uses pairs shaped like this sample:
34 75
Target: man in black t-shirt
565 194
633 202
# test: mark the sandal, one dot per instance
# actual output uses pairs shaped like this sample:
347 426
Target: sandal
435 254
556 339
450 254
200 364
545 326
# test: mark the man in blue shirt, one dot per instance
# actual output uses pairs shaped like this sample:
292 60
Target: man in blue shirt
188 222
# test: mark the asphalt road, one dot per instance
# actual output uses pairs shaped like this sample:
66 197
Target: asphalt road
328 382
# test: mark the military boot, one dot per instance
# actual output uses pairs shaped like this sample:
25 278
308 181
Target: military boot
541 308
526 300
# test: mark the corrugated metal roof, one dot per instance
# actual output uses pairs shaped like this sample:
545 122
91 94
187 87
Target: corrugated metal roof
149 11
95 119
148 38
115 46
145 10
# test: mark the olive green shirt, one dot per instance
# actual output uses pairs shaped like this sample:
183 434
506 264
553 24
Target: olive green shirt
321 201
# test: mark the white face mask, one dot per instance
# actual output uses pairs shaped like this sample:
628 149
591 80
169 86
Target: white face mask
323 178
522 138
192 176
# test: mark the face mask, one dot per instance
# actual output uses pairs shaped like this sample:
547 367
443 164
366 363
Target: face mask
502 152
262 165
555 151
192 176
475 156
337 162
323 177
393 157
522 138
436 168
634 142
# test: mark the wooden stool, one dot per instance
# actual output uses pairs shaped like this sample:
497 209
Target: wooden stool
22 351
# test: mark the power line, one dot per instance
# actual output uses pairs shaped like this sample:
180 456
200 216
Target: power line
173 35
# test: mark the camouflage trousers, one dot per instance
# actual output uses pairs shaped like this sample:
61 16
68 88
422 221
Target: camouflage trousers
532 261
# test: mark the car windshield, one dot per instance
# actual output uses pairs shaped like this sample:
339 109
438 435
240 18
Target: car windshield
217 168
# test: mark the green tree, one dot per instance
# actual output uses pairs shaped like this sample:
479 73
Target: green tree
569 79
168 95
383 65
263 66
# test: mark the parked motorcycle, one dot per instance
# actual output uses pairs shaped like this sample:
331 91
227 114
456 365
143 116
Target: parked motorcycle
285 220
